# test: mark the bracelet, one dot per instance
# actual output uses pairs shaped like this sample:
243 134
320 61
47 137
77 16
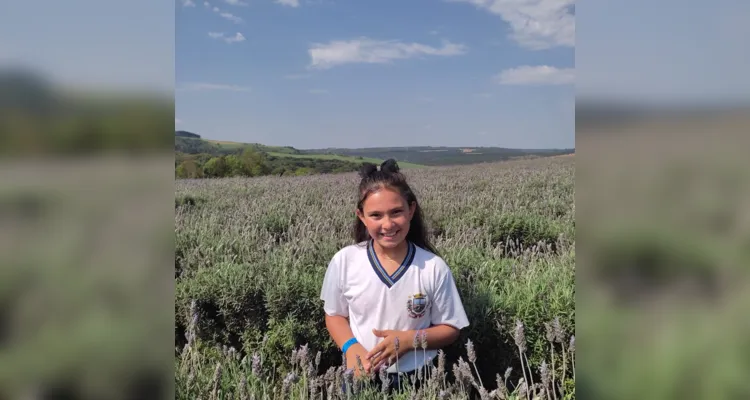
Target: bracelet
348 344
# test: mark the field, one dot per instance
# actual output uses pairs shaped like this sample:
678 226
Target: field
251 254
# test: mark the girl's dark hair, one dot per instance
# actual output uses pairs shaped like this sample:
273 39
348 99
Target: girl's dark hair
389 176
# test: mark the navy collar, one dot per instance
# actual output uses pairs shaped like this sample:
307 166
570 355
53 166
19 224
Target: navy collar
390 280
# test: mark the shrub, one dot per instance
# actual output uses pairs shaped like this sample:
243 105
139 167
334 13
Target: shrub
253 265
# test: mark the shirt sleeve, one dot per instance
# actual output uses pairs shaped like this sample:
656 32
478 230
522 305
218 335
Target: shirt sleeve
331 293
447 308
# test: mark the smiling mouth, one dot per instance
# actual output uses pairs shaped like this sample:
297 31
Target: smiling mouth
390 235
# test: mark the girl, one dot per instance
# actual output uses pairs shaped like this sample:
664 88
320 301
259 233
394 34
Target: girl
391 285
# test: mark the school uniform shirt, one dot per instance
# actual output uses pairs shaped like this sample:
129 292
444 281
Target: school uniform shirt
419 294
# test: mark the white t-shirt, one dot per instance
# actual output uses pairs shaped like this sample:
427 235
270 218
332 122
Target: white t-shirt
421 293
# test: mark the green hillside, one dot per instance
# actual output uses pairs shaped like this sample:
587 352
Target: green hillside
434 156
260 147
356 159
192 143
197 157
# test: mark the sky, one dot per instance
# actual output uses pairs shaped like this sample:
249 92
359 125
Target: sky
92 44
425 72
334 73
664 52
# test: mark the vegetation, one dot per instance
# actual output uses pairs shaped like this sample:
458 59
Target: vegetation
250 162
437 156
187 134
251 255
198 158
38 118
356 159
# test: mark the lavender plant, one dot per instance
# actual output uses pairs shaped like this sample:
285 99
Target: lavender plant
251 253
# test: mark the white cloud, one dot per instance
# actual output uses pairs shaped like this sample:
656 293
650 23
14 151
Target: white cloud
231 17
238 37
290 3
177 121
226 15
371 51
188 3
196 86
536 75
236 2
318 91
207 4
536 24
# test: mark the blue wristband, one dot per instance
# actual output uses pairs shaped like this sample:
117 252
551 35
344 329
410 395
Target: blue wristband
348 344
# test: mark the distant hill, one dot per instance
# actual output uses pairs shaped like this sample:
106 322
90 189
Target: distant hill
187 134
189 145
340 157
409 157
192 143
260 147
198 157
428 155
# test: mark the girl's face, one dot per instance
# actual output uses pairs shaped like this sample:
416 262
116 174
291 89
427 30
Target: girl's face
387 217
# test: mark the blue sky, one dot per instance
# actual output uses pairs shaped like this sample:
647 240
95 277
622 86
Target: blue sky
668 51
377 73
93 44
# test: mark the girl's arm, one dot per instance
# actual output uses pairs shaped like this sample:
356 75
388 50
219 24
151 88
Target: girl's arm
438 336
340 331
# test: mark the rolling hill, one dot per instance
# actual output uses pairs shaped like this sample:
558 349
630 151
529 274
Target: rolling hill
408 157
435 156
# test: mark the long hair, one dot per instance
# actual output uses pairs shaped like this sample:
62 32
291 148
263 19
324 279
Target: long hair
389 176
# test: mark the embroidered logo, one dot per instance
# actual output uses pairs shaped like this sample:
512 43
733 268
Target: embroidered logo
417 305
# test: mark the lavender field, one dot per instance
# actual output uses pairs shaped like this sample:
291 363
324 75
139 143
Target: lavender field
251 254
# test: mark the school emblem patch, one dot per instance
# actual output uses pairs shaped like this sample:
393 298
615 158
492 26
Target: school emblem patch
417 305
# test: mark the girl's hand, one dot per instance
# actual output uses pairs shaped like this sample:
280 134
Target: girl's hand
351 359
385 351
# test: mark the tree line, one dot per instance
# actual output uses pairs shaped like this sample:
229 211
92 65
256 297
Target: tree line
250 162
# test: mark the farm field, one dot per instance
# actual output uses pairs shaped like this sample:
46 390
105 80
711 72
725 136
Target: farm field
251 254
